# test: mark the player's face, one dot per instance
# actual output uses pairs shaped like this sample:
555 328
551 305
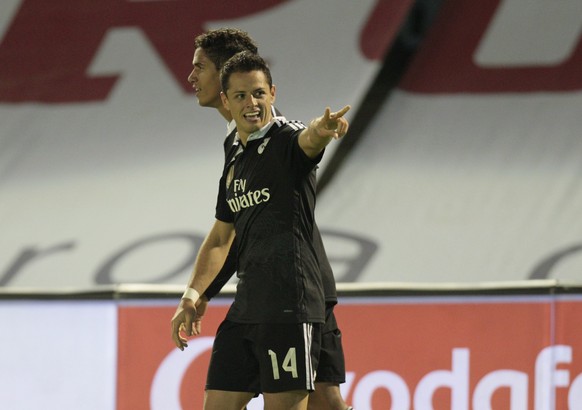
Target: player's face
205 80
249 99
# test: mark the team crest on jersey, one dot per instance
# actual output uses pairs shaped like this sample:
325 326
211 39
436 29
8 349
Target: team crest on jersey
263 145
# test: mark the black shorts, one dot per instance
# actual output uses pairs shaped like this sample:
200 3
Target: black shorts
269 358
331 367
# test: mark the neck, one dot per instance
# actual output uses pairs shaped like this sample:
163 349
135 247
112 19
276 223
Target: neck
225 113
243 138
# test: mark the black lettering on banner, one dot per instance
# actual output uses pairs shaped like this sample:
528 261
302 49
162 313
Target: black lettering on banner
356 264
106 273
27 256
544 269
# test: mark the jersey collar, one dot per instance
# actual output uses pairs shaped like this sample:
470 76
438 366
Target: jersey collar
230 127
258 134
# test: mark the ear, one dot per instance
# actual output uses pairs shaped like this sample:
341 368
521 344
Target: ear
273 93
224 100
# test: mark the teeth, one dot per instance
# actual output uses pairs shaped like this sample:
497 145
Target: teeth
251 115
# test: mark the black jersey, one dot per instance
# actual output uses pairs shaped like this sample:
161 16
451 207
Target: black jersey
268 191
328 280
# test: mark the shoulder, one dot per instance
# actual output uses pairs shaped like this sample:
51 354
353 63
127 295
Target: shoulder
288 125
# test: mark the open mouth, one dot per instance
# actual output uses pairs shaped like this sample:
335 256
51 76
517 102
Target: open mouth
253 116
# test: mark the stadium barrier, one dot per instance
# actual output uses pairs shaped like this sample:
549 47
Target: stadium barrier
510 345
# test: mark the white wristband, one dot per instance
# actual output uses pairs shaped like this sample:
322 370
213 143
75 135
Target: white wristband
191 293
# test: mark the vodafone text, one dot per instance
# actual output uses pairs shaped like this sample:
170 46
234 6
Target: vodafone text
548 379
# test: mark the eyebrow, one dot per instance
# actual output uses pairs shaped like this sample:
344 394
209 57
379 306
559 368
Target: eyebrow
245 91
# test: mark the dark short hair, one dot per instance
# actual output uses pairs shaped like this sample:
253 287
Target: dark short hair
244 62
221 44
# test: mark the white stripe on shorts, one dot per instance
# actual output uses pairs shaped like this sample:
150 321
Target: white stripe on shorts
309 371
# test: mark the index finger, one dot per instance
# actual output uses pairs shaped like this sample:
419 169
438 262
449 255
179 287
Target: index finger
341 112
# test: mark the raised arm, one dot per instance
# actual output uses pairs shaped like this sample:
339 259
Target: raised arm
321 130
210 259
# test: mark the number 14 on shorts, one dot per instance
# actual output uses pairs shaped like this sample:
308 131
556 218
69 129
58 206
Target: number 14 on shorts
289 363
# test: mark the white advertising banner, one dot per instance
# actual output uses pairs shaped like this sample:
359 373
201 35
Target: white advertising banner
471 171
58 355
108 167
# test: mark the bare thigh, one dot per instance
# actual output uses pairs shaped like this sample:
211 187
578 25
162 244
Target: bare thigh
226 400
327 396
289 400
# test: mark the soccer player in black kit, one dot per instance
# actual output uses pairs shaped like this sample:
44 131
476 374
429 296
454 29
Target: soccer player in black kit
269 341
212 49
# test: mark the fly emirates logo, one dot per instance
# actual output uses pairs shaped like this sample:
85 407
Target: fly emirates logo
243 199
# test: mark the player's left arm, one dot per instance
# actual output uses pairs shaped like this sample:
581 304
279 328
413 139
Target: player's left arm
211 257
321 130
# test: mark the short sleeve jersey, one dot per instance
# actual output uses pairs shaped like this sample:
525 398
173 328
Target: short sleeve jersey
267 191
327 277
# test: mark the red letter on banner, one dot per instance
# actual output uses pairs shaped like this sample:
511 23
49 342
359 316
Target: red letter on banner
46 51
445 61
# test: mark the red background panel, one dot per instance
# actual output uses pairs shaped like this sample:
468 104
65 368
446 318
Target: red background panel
413 340
436 350
144 342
